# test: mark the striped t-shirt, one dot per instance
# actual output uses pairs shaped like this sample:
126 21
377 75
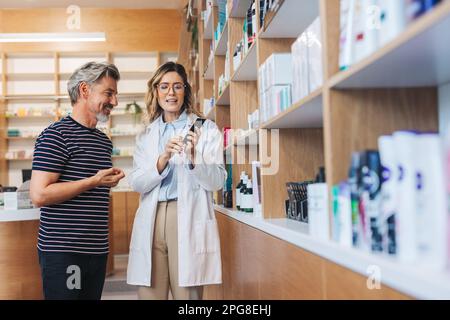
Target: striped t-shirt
78 225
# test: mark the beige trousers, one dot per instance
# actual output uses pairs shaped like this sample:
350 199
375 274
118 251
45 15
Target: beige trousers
165 259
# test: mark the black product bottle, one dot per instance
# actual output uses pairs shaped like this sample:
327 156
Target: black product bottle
372 182
249 197
321 178
238 191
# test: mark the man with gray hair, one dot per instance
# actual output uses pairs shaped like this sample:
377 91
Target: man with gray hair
71 181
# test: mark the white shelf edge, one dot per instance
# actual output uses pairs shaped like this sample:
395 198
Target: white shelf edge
19 215
250 58
221 45
410 280
291 19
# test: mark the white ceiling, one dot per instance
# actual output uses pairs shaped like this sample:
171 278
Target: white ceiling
130 4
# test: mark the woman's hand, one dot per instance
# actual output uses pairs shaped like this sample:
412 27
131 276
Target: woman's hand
175 145
192 140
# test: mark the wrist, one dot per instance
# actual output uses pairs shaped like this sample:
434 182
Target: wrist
165 157
92 182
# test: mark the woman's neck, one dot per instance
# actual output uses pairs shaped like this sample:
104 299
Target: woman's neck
171 116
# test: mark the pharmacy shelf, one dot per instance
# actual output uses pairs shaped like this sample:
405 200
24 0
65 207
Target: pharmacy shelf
120 95
419 57
123 74
291 19
307 113
208 31
409 279
123 114
211 115
247 70
222 43
31 96
31 117
19 215
30 76
209 71
224 99
128 135
20 138
19 159
239 8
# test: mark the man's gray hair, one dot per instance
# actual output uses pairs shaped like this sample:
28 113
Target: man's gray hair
90 73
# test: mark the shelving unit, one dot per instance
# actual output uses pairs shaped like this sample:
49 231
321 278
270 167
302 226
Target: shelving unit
34 82
247 69
393 89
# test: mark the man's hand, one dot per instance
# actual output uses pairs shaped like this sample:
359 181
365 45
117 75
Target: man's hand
108 178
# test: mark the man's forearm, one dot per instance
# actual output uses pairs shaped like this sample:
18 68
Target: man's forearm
62 191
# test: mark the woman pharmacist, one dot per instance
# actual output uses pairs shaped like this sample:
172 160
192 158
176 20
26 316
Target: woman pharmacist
175 240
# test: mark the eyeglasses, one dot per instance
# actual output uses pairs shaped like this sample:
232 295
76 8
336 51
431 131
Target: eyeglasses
165 87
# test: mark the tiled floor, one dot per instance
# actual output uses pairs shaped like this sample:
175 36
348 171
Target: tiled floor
116 287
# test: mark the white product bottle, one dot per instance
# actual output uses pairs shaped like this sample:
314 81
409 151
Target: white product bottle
364 36
431 213
346 31
392 21
345 215
390 176
318 218
406 192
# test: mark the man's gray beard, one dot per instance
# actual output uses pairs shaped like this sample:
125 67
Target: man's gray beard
101 117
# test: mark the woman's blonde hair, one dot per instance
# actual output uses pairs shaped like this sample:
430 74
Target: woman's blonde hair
154 110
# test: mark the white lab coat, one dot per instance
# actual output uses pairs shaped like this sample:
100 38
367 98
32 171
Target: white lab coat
199 258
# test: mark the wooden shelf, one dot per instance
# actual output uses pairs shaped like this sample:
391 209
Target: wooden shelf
406 278
136 74
122 157
19 159
239 9
32 117
20 138
211 115
221 46
291 19
324 128
208 31
247 70
120 95
123 114
419 57
32 96
307 113
30 76
123 135
209 71
123 74
224 99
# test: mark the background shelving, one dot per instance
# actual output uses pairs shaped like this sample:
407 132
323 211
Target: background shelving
34 94
402 85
